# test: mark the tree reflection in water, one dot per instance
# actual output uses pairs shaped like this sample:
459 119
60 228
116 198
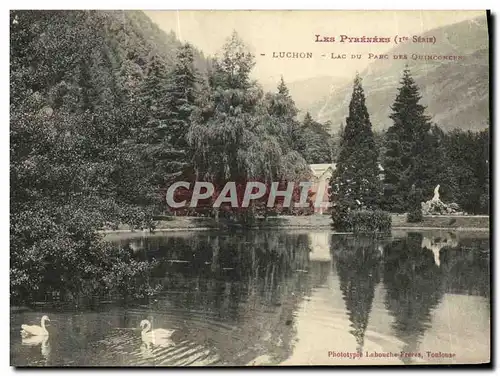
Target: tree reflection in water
250 281
466 267
237 298
358 266
413 284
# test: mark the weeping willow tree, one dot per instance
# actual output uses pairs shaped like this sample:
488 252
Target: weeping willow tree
234 136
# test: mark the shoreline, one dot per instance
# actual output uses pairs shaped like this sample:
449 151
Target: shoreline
317 222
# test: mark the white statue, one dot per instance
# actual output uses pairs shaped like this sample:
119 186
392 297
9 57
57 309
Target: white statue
436 193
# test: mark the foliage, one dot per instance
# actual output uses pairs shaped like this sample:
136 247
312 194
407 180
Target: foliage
57 251
237 136
415 198
414 216
467 169
363 221
75 165
106 111
419 153
367 221
317 143
167 100
355 183
410 148
283 115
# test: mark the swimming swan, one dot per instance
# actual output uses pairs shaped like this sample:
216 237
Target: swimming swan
155 337
35 330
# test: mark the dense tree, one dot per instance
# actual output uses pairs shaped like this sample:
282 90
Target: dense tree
182 93
167 101
355 183
225 125
337 140
283 114
317 143
419 154
466 168
411 149
74 167
310 138
233 136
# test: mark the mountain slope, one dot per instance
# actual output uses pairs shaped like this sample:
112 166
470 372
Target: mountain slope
306 92
455 92
94 52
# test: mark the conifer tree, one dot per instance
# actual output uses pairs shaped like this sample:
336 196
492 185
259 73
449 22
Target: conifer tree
168 99
154 100
152 139
355 183
283 112
182 95
283 90
317 143
408 145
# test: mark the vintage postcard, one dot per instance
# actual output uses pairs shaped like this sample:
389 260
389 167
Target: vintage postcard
249 188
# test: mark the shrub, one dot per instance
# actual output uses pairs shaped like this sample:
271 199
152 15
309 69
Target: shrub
414 216
58 252
364 221
370 221
341 218
415 199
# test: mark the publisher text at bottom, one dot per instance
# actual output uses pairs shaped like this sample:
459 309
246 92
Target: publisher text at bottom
389 354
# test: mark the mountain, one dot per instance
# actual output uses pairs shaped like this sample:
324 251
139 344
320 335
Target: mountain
306 92
456 93
97 53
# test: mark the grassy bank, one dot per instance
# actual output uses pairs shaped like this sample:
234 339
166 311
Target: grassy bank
479 222
464 223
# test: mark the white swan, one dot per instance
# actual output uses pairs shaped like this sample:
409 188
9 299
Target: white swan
35 330
156 337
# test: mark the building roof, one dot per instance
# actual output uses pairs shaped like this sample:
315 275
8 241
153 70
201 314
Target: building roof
320 169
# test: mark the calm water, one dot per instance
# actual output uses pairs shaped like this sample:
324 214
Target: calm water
255 298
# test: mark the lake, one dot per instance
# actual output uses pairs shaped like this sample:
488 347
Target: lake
283 297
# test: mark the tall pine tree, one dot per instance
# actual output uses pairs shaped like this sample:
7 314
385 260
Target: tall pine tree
408 147
182 95
168 99
355 183
283 113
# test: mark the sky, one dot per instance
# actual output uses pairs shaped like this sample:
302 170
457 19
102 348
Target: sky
294 31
